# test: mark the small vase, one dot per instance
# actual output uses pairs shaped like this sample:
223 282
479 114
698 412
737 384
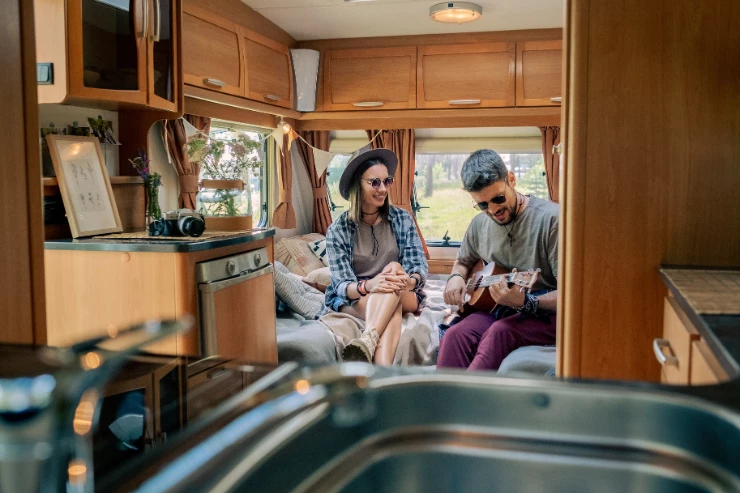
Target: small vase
151 197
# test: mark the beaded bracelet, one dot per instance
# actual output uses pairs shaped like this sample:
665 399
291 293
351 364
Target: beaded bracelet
531 303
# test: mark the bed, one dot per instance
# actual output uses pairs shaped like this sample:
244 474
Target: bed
308 341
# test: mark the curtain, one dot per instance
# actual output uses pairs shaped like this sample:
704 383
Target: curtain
283 216
403 143
321 212
551 138
175 138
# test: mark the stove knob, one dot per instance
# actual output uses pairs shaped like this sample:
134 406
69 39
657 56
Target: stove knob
257 259
231 268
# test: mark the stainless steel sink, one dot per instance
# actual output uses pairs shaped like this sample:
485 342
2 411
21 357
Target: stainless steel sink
454 432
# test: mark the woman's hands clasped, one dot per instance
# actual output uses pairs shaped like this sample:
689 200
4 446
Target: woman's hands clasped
393 279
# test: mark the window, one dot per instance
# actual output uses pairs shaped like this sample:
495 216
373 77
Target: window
334 172
256 179
444 210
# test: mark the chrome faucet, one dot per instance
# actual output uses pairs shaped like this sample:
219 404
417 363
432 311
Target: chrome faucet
46 421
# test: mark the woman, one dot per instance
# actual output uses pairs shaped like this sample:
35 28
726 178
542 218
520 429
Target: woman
376 259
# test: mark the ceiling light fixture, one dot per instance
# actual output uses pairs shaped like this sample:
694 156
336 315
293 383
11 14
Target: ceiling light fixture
458 12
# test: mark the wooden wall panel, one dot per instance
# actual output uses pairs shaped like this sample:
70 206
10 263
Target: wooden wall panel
21 223
652 153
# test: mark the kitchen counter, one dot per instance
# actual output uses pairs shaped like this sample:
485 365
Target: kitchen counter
721 331
160 246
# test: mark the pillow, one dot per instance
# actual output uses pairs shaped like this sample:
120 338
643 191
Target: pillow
319 249
319 279
301 298
295 254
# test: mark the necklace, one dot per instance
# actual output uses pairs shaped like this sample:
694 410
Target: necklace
374 214
513 223
376 245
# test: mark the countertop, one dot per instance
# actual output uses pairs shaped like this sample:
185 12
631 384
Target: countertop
162 246
720 331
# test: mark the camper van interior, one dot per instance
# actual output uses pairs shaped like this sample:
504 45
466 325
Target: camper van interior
370 245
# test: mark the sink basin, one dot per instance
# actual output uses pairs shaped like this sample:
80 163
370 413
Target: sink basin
454 432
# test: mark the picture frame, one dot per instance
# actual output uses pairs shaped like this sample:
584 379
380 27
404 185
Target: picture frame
84 185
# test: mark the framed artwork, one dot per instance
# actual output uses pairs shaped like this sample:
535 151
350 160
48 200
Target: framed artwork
84 185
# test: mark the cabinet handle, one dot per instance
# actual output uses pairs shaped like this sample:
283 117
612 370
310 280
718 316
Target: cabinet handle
145 29
463 101
663 359
558 99
214 82
368 104
220 372
273 97
158 25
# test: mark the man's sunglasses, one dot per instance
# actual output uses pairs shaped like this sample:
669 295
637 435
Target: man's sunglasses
498 200
375 182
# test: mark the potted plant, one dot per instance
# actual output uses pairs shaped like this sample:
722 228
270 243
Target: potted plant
224 196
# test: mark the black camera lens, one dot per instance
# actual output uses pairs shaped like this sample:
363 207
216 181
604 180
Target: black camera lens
157 228
191 226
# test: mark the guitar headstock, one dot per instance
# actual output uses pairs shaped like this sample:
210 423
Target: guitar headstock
524 279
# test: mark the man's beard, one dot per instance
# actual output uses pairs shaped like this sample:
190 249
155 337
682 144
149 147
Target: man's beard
512 216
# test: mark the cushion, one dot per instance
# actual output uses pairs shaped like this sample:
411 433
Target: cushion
297 295
319 279
319 249
295 254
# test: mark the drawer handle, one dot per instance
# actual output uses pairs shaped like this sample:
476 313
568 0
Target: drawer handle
273 97
663 359
368 104
558 99
214 374
214 82
464 101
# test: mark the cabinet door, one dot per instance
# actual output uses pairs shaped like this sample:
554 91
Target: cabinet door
539 68
164 75
479 75
673 351
108 50
269 71
705 369
382 78
211 52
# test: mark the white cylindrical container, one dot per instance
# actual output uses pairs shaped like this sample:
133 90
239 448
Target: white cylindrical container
306 69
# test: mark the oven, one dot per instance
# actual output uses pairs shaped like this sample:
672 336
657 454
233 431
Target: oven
237 307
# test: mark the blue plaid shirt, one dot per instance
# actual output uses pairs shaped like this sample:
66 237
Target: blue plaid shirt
340 239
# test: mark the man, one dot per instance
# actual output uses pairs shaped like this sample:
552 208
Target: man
517 232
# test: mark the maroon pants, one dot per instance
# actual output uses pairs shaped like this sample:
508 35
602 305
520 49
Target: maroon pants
480 342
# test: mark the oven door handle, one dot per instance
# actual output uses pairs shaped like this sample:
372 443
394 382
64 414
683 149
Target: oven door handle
212 287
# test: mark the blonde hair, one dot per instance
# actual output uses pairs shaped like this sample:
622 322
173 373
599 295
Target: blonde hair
355 193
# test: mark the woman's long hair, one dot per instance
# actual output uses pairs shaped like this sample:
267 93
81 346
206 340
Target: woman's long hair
355 193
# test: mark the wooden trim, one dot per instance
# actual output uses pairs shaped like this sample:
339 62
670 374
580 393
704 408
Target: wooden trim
440 266
154 100
198 93
520 49
433 39
51 47
572 191
442 118
455 50
22 299
75 73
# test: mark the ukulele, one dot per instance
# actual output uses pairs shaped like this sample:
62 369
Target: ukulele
477 296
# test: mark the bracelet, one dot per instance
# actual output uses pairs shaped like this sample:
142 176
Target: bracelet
416 277
531 303
455 274
361 288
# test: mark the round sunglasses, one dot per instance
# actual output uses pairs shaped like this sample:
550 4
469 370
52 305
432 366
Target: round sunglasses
375 182
498 200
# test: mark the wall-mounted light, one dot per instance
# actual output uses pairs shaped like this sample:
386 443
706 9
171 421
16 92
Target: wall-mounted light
458 12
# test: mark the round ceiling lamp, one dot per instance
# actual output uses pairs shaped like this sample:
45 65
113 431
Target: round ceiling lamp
458 12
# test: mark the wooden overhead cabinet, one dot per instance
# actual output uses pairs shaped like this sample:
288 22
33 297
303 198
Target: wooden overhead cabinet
212 52
378 78
269 71
468 75
111 54
539 67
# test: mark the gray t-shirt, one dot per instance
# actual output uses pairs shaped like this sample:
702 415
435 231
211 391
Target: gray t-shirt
374 248
533 243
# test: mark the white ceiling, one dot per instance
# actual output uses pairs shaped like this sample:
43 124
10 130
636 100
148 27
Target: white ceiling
452 133
330 19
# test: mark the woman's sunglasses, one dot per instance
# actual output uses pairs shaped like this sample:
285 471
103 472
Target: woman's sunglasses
375 182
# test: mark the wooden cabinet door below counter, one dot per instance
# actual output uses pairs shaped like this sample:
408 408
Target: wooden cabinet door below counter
470 75
539 68
269 71
378 78
211 54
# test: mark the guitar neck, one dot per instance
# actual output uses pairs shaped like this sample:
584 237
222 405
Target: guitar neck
487 281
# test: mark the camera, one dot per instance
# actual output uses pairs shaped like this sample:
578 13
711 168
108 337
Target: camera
182 222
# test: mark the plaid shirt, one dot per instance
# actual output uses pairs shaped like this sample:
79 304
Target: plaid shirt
340 239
